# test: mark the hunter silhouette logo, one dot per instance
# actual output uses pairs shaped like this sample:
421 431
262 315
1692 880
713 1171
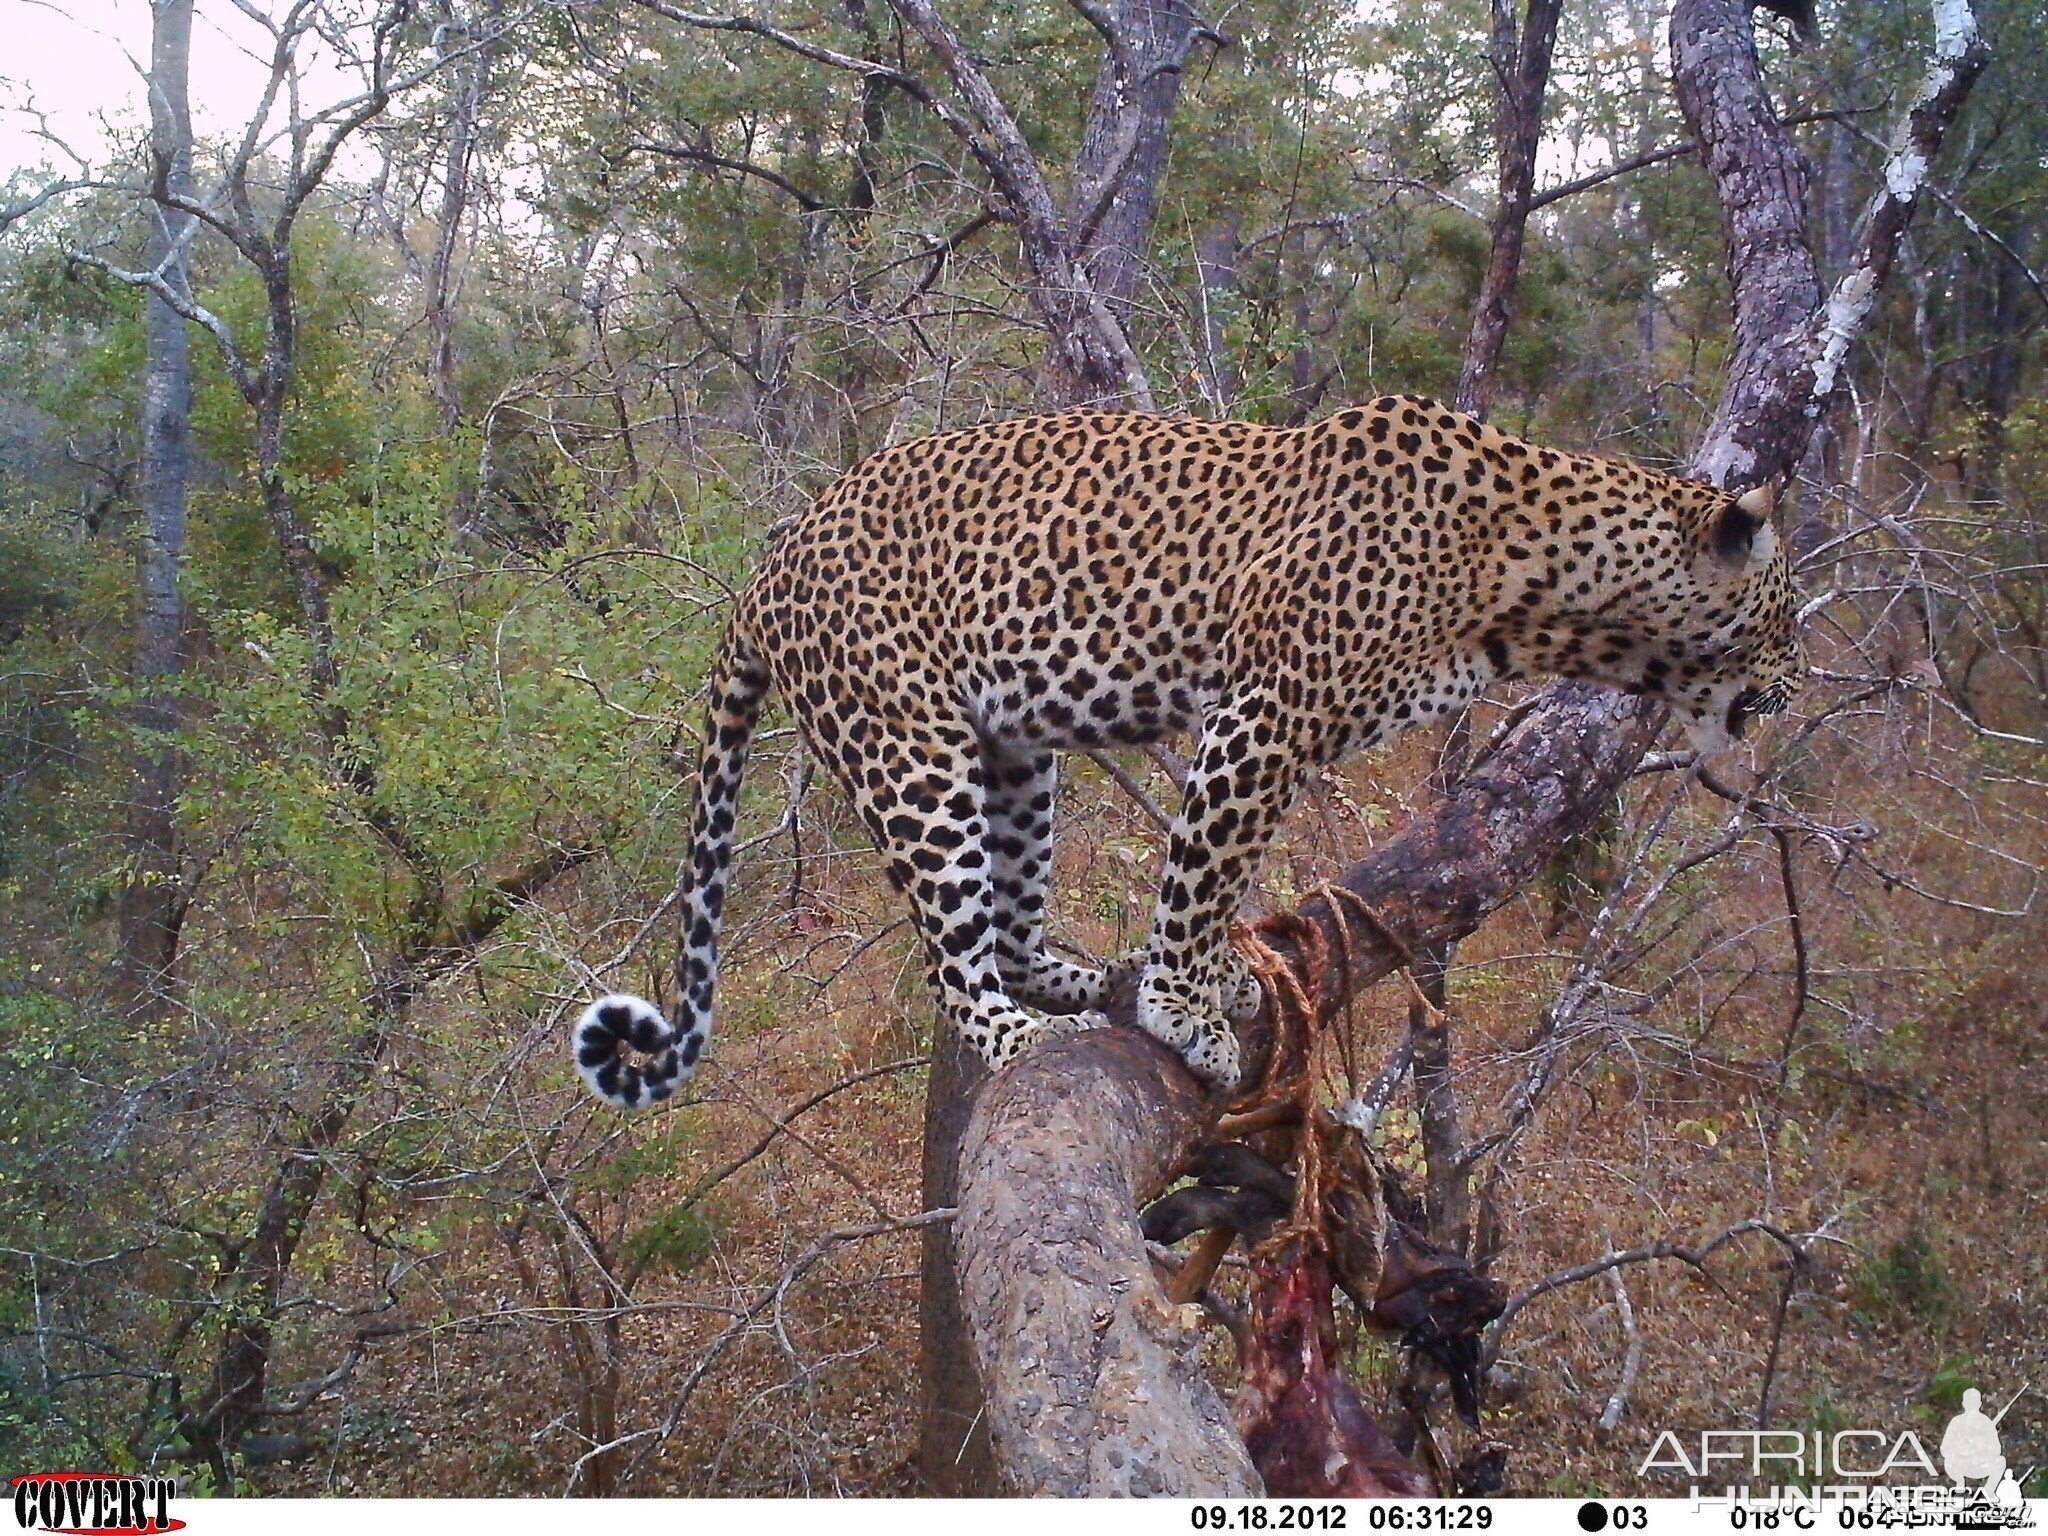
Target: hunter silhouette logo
95 1504
1971 1453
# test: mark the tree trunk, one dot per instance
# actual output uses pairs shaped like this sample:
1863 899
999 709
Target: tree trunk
953 1458
152 903
2001 380
1089 360
1116 195
1791 349
1436 1101
1115 180
1092 1380
261 1267
466 86
1760 177
1431 1065
1091 1386
1521 74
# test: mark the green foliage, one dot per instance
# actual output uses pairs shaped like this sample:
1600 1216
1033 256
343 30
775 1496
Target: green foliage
1908 1279
1820 1415
34 587
502 708
673 1242
1569 1485
1943 1393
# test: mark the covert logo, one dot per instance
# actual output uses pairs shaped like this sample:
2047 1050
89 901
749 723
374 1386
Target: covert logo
95 1504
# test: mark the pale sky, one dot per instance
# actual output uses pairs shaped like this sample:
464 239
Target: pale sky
77 61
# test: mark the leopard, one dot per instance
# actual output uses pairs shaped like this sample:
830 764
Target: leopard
957 610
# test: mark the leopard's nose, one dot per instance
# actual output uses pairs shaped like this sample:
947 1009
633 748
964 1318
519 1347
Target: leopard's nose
1741 710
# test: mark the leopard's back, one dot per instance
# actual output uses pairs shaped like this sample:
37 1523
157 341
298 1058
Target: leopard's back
1082 579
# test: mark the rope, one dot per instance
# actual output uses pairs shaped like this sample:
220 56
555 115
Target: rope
1287 1081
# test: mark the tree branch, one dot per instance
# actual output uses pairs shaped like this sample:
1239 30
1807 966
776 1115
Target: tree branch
153 281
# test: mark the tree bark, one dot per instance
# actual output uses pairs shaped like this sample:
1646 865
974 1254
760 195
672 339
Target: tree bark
1093 1383
1521 74
1790 348
1090 1386
152 902
953 1456
467 83
1760 178
1117 170
1436 1101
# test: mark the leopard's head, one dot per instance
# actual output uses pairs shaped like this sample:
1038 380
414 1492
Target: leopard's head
1727 652
1662 587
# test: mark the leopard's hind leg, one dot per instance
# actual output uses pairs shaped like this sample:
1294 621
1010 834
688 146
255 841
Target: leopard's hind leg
1020 788
917 777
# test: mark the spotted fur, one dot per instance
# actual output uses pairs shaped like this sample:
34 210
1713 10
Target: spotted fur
955 610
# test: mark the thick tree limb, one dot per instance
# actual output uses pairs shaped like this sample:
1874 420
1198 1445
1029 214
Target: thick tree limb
1092 1382
1790 347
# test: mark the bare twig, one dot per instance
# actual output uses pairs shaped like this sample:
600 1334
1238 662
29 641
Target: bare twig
1129 784
769 1296
796 1111
1694 1254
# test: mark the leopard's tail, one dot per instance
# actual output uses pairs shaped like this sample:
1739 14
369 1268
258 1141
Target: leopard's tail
670 1048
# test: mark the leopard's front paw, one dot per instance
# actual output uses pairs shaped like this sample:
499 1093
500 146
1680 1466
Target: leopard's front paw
1240 994
1208 1046
1212 1056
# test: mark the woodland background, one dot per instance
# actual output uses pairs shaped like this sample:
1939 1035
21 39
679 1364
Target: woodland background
371 487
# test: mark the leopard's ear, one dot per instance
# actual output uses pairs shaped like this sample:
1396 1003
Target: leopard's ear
1743 530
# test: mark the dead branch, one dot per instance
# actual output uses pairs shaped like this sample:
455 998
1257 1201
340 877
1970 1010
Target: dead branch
1129 783
1632 1354
1695 1255
781 1123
